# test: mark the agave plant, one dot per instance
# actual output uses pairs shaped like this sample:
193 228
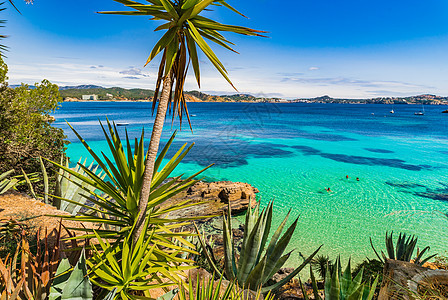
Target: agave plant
72 283
342 286
7 183
313 284
11 230
31 277
71 187
256 265
403 250
208 290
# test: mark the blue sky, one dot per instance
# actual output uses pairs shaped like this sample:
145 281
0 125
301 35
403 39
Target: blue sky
340 48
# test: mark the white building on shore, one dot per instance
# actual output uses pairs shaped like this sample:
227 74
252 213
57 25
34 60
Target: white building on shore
90 97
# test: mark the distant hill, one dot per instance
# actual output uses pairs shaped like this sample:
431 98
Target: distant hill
115 93
32 87
80 87
223 98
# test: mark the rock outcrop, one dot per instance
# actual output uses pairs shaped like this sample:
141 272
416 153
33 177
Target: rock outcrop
214 198
402 280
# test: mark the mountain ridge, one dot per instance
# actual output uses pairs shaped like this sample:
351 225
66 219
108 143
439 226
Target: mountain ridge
74 93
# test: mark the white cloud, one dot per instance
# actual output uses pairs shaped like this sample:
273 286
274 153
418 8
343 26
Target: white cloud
134 72
313 68
77 74
289 85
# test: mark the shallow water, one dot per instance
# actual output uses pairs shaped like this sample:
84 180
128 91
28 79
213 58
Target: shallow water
292 152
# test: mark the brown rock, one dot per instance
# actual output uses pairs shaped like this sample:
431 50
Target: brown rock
281 274
216 196
400 278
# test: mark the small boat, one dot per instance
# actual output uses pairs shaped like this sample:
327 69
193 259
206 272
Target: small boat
193 115
122 124
445 112
420 113
392 111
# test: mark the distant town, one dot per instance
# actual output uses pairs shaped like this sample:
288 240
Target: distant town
98 93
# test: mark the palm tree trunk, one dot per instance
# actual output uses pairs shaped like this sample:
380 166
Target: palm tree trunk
152 154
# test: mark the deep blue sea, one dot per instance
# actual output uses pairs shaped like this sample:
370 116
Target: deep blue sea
292 152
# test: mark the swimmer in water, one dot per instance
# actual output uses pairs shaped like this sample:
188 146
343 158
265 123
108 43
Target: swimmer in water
346 176
357 178
328 189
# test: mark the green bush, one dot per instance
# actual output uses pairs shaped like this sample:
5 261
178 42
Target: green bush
25 125
372 268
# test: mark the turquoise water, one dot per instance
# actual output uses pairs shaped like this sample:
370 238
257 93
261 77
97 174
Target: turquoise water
292 152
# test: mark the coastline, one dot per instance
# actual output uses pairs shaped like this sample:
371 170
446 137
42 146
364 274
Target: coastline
254 102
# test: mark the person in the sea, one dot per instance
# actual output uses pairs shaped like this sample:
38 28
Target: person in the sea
346 176
357 178
328 189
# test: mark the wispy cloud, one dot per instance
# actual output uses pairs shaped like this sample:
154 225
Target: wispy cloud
75 74
328 81
133 72
313 69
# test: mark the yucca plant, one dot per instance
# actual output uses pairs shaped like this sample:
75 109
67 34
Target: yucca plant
134 268
342 286
321 263
256 265
114 199
114 205
403 250
208 290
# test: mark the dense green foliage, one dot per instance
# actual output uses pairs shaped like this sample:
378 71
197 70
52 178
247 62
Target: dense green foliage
25 125
372 268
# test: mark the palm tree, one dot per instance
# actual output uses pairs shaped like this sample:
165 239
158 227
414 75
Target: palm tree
186 31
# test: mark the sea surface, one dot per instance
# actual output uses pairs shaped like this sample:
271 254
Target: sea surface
293 152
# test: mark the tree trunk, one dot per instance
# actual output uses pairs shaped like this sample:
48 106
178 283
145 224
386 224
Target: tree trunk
152 155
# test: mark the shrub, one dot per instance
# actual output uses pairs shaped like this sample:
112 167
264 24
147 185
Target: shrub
25 125
372 269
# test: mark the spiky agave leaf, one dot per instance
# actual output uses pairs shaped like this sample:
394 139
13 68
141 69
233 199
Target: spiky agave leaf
254 268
